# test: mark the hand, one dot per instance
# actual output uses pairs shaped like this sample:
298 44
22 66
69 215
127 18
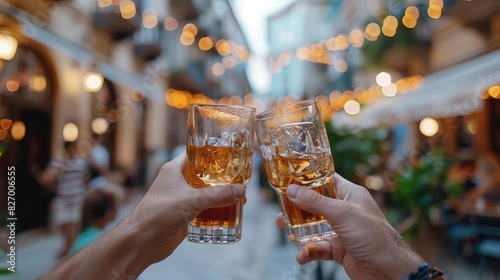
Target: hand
366 245
151 232
170 204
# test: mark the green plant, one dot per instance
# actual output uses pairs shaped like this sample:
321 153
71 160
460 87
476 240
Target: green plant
420 190
355 152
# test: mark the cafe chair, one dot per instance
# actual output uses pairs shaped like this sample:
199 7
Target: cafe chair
487 237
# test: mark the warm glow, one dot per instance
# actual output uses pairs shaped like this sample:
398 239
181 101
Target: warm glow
8 46
149 18
341 42
187 38
127 9
229 62
494 92
205 44
3 134
356 37
402 86
372 31
235 100
429 127
218 69
170 23
70 132
241 53
383 79
415 82
136 96
93 82
191 28
5 123
438 4
18 130
472 127
104 3
100 126
37 83
374 182
352 107
389 26
434 12
302 53
223 47
390 22
12 85
409 22
340 65
412 12
390 90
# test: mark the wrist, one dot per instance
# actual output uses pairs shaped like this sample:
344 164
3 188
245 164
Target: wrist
401 260
426 272
137 242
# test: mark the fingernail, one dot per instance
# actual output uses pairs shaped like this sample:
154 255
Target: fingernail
293 191
239 191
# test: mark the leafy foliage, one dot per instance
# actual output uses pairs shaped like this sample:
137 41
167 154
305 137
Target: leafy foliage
422 188
354 151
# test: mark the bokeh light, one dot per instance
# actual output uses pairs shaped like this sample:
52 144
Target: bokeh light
70 132
429 127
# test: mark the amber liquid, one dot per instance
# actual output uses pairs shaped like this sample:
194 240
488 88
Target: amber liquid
210 166
312 171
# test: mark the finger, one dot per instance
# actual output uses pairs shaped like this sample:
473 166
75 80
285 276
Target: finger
345 189
280 221
218 196
312 201
356 195
174 166
330 249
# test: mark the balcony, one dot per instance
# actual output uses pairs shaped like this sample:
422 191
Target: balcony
118 22
147 42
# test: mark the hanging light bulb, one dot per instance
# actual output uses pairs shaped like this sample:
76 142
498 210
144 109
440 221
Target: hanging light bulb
93 81
8 45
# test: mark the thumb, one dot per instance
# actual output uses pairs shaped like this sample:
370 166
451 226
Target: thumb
312 201
218 196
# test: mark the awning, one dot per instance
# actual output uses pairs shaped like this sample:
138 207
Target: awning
454 91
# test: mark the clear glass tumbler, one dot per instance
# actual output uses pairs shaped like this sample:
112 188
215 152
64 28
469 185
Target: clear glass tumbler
296 150
219 152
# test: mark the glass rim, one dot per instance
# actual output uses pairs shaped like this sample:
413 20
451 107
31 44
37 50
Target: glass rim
264 115
222 105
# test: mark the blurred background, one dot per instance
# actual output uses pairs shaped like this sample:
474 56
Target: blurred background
410 91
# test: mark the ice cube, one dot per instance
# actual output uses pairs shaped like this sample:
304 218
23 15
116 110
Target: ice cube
230 139
295 138
239 139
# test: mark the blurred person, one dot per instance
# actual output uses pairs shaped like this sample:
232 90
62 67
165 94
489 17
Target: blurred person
459 229
99 209
367 245
67 176
487 179
101 175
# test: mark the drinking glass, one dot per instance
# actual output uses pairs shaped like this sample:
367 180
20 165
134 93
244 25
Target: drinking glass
296 150
219 152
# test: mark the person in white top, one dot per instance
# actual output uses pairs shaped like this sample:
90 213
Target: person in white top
67 176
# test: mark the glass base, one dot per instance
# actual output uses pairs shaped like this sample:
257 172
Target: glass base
213 236
310 233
